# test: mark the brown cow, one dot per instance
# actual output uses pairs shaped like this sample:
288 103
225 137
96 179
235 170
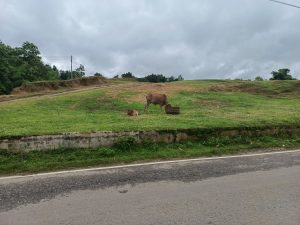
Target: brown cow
156 99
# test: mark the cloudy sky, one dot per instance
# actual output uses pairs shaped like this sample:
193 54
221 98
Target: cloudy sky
200 39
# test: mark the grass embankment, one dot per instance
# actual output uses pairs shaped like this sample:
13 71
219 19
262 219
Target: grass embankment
127 151
207 104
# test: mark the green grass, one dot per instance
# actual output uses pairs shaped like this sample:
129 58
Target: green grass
232 104
204 104
36 161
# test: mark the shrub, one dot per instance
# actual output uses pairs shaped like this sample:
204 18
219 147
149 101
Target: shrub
127 75
126 144
258 78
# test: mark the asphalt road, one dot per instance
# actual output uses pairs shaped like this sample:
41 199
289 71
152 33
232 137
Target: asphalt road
262 189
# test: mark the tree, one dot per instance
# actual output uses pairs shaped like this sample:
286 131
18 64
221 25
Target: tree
30 53
66 74
127 75
171 79
180 77
80 71
258 78
21 64
98 75
159 78
154 78
282 74
55 68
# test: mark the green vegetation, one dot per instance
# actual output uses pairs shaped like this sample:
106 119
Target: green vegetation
159 78
127 75
152 78
14 163
213 104
282 74
207 104
259 78
67 75
22 64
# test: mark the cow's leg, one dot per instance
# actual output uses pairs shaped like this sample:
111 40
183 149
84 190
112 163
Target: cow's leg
161 107
146 106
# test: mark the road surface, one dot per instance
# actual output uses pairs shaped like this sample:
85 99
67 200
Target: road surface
260 189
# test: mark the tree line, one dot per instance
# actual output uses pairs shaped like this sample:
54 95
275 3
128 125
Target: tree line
281 74
153 78
21 64
24 64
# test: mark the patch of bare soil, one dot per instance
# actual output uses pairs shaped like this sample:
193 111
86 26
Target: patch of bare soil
54 88
297 86
240 87
255 88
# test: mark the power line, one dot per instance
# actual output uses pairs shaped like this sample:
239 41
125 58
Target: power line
284 3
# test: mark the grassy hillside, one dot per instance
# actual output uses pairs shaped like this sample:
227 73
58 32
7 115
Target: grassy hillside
203 104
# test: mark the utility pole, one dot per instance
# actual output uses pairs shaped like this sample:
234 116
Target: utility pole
71 67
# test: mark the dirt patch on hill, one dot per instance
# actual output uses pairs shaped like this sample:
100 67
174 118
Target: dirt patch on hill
46 86
272 89
297 87
240 87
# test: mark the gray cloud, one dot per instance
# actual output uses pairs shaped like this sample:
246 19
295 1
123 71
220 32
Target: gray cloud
199 39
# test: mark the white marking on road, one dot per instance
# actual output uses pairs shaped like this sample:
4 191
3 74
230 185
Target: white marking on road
149 164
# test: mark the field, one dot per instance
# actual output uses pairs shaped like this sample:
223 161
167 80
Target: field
215 103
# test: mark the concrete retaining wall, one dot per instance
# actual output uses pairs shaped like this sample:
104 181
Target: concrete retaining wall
78 140
106 139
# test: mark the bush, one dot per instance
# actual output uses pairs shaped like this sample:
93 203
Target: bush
258 78
126 144
282 74
127 75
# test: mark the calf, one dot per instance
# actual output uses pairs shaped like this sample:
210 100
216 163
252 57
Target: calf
172 110
132 112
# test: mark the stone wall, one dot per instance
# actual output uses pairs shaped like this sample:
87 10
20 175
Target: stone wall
106 139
